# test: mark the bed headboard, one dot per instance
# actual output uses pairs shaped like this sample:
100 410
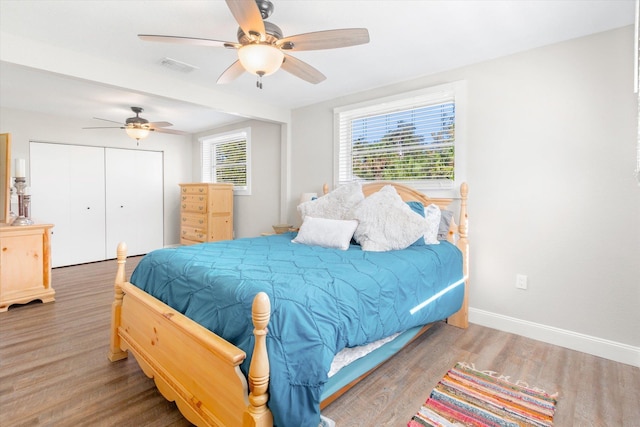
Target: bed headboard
407 194
457 227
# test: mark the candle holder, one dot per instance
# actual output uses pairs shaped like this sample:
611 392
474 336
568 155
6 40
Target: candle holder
12 215
24 202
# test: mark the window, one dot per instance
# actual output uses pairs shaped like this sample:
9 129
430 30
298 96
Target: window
226 158
413 138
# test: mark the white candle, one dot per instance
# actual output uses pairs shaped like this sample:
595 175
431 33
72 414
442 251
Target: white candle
20 168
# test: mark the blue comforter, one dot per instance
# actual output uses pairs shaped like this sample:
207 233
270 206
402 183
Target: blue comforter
322 300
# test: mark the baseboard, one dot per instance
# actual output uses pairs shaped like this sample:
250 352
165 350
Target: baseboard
612 350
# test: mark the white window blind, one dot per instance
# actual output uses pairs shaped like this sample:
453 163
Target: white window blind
411 138
226 158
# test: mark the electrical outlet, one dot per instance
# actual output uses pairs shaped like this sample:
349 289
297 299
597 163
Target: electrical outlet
521 281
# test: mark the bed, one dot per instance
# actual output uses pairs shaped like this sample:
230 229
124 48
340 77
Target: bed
228 382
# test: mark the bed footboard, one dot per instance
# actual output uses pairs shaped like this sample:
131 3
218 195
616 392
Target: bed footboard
191 365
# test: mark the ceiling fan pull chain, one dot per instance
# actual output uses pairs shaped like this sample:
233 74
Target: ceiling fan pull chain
259 82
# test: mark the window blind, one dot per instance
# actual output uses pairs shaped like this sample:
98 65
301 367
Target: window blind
225 159
411 140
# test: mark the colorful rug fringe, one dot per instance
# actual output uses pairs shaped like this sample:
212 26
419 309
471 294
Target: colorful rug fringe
469 397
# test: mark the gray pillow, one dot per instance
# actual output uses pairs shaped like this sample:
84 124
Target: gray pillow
445 222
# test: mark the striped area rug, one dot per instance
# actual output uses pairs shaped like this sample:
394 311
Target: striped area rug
469 397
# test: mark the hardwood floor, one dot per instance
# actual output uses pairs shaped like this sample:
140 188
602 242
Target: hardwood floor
54 369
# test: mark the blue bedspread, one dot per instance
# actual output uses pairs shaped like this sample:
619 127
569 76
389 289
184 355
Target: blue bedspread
322 300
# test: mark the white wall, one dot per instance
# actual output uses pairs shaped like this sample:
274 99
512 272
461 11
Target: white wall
551 152
254 214
28 126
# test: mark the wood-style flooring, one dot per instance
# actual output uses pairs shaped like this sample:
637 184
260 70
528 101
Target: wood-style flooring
54 369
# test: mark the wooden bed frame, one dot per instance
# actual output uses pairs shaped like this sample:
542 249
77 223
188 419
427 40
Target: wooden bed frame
201 371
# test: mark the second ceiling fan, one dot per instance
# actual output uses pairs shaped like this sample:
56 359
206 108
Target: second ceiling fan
262 48
138 128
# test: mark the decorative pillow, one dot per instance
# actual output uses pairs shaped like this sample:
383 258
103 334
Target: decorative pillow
432 217
328 233
445 223
418 208
386 222
333 205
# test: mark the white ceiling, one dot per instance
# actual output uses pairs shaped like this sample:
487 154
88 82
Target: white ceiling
408 39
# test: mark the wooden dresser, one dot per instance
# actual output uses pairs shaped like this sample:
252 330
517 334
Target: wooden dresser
206 213
25 264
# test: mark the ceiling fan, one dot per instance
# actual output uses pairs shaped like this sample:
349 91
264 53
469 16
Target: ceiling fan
262 49
138 128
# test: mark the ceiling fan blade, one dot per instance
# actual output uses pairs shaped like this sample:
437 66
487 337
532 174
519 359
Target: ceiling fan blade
302 70
193 41
329 39
234 71
160 124
171 131
107 120
247 13
105 127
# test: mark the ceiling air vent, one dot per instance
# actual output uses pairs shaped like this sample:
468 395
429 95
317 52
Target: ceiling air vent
177 65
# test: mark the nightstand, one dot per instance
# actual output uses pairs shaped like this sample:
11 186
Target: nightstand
25 264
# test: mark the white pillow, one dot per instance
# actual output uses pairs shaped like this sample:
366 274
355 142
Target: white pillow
333 205
432 216
328 233
386 222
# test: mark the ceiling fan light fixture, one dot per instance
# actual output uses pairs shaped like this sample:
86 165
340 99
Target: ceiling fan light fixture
260 59
137 132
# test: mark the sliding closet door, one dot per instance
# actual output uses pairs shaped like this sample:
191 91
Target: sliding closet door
67 186
134 200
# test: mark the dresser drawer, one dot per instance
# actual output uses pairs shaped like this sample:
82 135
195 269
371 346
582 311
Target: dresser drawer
193 220
188 242
200 207
193 198
194 189
193 233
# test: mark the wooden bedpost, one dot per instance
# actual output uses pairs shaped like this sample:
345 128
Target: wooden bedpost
257 414
461 318
115 352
